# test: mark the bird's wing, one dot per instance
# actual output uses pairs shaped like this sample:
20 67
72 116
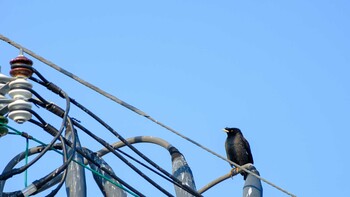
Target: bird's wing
229 152
247 147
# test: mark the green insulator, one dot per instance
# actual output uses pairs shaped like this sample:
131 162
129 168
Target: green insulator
3 130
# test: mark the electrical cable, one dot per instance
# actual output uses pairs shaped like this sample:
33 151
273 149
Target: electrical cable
41 182
65 172
110 148
132 108
139 139
23 168
15 171
177 182
105 144
12 163
52 131
20 156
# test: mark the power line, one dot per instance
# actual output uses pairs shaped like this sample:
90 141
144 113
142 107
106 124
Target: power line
54 148
132 108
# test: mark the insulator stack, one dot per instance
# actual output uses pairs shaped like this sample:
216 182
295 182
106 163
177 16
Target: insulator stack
20 70
21 67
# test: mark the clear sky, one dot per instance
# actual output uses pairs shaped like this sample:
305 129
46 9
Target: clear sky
278 70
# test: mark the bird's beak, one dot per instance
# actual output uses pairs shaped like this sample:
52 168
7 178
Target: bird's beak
225 130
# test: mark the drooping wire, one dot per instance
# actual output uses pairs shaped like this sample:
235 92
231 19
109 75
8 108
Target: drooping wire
51 130
66 161
108 146
13 172
65 115
54 148
65 172
24 155
177 182
94 136
132 108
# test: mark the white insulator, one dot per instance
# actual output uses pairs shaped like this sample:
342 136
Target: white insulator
19 104
20 116
16 111
18 93
22 82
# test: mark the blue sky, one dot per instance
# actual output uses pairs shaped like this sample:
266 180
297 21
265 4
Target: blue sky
279 70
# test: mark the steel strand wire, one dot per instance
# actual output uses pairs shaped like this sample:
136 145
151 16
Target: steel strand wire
130 107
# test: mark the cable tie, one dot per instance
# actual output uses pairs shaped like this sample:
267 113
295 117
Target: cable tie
54 88
26 135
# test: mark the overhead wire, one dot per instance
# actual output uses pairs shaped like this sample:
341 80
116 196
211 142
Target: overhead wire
51 130
122 152
25 167
66 161
20 156
88 132
25 155
134 109
108 146
57 90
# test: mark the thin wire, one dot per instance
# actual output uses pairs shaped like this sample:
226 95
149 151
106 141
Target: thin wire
26 162
130 107
136 193
17 132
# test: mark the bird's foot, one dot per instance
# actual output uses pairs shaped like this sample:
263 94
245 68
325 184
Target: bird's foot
234 171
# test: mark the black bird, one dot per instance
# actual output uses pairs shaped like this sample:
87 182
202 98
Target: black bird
237 148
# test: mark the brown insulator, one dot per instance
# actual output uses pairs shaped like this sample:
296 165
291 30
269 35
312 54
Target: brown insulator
21 67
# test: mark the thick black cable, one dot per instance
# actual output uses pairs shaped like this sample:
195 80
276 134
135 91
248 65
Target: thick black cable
88 132
177 182
12 163
57 90
41 182
52 131
65 159
65 172
15 171
30 90
105 144
130 107
110 148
